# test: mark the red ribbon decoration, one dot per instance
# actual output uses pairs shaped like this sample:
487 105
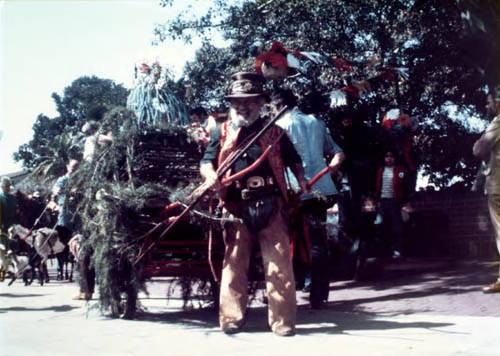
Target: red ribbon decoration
317 177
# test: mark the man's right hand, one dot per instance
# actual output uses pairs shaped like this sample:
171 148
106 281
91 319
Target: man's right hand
211 180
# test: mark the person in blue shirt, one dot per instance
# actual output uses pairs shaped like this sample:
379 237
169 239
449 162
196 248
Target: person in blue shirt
313 143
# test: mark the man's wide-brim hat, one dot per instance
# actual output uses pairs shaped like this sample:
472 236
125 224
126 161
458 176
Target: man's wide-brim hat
246 85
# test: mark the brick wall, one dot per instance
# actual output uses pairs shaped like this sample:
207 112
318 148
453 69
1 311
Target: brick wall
450 225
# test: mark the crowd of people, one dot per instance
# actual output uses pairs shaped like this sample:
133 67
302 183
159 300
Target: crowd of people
278 178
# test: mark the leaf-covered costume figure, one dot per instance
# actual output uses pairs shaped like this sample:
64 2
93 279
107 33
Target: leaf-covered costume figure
154 105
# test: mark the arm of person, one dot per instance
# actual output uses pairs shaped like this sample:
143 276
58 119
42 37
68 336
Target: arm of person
101 139
292 159
298 171
487 141
207 164
331 148
209 175
336 161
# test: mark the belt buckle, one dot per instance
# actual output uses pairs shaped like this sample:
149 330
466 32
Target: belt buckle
255 182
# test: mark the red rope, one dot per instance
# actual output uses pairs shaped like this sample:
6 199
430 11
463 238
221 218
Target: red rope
243 172
317 177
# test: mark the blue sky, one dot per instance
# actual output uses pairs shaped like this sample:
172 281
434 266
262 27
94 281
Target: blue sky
45 45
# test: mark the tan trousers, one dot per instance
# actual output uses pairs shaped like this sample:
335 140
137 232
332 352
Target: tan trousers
280 283
494 208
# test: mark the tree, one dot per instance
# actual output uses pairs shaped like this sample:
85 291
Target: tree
449 48
87 97
56 139
205 76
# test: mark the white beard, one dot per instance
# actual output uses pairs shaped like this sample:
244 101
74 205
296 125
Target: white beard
241 121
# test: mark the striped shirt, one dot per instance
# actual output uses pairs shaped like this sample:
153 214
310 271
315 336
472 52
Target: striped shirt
387 183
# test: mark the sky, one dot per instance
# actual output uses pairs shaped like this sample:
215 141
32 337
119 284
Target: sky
46 45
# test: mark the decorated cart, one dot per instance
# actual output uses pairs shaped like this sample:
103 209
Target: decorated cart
128 187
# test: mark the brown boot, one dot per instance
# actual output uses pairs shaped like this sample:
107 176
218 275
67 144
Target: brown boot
283 330
492 288
79 296
231 328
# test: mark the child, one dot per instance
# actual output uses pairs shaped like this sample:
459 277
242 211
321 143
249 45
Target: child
390 193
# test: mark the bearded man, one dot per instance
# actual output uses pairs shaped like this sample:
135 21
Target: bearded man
259 200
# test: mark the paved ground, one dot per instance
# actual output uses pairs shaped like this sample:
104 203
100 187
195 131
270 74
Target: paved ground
413 308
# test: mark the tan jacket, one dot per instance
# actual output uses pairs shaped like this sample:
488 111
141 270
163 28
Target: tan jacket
487 148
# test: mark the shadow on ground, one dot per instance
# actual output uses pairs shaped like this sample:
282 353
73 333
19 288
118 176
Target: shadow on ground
11 295
454 282
469 274
56 308
308 321
448 287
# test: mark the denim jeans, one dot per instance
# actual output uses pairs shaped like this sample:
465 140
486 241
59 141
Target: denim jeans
314 211
392 224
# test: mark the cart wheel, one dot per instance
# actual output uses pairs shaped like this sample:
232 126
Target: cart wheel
115 310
